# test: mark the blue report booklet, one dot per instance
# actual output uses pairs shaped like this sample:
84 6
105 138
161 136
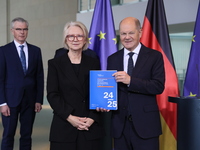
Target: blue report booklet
103 90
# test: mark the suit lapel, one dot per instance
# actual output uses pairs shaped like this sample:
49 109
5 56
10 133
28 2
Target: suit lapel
30 59
120 65
14 56
66 67
84 72
141 60
84 68
120 61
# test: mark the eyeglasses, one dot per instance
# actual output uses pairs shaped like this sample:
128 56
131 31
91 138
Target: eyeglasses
72 37
20 29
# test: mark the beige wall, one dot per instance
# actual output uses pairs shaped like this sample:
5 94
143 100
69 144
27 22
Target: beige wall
46 21
3 22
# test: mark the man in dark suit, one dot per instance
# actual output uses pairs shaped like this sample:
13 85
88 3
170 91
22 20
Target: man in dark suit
21 86
88 52
136 124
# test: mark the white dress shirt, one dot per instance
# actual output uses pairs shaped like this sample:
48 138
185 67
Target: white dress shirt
25 51
135 56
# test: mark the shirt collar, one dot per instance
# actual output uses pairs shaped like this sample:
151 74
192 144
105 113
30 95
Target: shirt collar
136 50
17 44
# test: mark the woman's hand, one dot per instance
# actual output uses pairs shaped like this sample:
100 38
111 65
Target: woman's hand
87 123
81 123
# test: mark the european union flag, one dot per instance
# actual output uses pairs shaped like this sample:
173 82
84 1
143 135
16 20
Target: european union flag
103 41
102 32
192 79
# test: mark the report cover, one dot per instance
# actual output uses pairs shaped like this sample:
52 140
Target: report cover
103 90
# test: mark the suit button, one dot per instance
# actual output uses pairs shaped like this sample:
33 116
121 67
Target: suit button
130 118
83 101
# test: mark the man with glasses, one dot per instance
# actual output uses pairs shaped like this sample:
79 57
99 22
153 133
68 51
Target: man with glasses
21 86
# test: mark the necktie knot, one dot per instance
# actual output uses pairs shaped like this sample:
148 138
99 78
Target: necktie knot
130 54
22 47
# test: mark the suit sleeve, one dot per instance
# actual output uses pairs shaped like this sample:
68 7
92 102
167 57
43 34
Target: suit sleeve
40 79
54 97
2 77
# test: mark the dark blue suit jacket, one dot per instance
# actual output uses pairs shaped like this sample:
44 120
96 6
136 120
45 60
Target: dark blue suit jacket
147 80
13 82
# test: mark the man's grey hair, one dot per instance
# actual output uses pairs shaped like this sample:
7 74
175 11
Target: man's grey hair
19 19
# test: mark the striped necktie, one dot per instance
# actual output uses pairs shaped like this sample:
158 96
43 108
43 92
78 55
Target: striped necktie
23 58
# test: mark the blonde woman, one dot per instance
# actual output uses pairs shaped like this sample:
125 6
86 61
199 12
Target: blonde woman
74 126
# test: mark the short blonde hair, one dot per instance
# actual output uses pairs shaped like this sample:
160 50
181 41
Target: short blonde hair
77 24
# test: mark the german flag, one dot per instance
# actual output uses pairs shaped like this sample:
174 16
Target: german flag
156 36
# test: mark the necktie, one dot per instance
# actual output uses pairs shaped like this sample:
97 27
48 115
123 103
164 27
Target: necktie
130 63
23 58
130 70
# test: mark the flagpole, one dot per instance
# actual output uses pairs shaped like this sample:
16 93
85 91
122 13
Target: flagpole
103 41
